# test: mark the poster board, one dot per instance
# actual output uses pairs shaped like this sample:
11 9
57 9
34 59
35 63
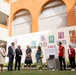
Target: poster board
52 50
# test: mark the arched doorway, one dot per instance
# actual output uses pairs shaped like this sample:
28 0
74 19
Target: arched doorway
53 16
22 23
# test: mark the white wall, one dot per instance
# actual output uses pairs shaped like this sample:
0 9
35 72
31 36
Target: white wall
53 17
3 34
4 7
26 39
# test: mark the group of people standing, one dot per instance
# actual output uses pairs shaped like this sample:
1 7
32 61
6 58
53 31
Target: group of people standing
17 53
71 56
14 52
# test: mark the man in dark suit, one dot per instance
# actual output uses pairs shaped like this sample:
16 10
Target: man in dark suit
18 52
11 54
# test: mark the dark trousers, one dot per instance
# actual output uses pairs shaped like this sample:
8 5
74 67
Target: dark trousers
62 60
72 62
18 63
10 63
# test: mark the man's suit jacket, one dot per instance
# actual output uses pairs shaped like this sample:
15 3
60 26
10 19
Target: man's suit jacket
10 52
18 53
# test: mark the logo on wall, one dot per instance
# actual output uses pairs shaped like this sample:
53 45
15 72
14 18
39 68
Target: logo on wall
42 38
62 41
33 44
51 39
44 44
60 35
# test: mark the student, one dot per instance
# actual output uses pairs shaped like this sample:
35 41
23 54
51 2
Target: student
71 55
39 64
39 57
61 55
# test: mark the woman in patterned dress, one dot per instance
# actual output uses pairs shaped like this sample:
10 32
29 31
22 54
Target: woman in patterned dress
28 58
39 57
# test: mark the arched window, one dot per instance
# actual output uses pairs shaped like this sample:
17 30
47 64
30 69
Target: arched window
53 16
22 23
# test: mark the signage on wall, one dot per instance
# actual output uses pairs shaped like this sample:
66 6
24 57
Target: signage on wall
53 46
51 39
72 35
44 44
42 38
60 35
62 41
33 44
